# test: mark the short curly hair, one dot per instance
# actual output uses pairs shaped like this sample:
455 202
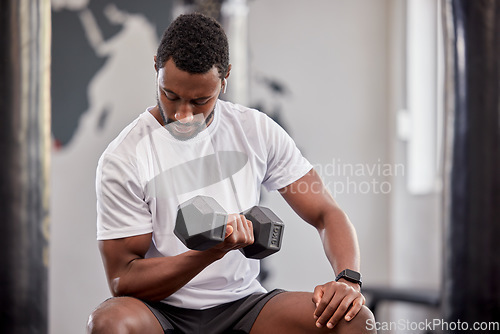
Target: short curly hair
196 43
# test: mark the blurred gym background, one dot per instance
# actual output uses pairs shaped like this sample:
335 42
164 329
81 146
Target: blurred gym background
395 102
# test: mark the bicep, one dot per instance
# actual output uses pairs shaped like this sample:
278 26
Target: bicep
118 254
309 198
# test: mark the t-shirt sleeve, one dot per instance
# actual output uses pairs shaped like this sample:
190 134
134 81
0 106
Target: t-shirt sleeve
285 163
121 209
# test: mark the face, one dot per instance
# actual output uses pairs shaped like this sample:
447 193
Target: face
186 101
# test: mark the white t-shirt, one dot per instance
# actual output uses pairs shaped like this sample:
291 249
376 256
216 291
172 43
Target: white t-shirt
145 173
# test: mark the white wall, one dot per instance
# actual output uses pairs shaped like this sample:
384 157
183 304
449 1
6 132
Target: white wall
415 220
344 64
333 57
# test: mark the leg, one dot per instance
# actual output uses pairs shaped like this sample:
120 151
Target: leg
123 315
292 313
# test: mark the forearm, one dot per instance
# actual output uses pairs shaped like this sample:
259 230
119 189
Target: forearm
339 241
317 207
158 278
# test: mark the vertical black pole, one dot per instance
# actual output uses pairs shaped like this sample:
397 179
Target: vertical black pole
472 272
24 164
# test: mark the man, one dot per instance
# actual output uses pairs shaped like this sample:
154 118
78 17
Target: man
191 143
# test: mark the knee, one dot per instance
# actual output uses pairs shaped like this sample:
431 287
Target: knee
96 323
111 318
362 322
101 321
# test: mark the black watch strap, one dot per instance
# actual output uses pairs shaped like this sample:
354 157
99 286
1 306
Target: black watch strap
350 275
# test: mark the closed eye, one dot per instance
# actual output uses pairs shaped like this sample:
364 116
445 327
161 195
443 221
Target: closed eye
200 102
170 96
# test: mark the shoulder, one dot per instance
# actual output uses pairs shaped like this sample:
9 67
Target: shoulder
126 142
124 147
247 117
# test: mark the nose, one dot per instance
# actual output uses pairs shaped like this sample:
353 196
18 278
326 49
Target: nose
184 114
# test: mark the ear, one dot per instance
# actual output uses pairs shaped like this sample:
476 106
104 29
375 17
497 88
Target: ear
228 71
156 66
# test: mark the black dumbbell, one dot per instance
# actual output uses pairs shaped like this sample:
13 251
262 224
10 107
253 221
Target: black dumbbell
201 224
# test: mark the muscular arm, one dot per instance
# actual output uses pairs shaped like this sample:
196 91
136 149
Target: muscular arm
129 273
313 203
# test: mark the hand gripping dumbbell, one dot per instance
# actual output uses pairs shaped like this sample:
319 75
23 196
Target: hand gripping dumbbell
201 224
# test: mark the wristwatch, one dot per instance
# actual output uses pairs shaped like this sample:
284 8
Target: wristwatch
350 275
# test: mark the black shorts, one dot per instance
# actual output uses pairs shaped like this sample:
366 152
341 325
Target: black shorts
235 317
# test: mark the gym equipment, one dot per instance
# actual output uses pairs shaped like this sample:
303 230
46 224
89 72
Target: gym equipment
201 224
472 164
25 169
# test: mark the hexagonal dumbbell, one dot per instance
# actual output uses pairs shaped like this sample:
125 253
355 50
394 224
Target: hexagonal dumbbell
201 224
267 231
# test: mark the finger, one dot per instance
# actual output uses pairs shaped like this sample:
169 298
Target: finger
356 307
239 236
240 227
341 311
328 309
241 222
249 226
245 227
324 304
232 222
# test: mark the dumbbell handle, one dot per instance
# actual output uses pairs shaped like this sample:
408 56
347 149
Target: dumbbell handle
267 227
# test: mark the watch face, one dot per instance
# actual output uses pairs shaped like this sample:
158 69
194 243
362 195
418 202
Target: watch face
353 274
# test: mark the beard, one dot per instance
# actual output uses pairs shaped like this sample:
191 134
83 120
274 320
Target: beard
184 131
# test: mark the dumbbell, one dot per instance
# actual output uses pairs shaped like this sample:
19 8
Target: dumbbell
201 224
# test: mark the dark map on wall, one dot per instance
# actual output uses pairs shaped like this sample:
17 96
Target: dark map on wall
75 61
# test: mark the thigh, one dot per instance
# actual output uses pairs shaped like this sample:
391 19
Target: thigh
123 315
293 312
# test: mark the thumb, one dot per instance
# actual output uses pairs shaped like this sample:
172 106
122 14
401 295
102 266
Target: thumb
317 294
229 231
